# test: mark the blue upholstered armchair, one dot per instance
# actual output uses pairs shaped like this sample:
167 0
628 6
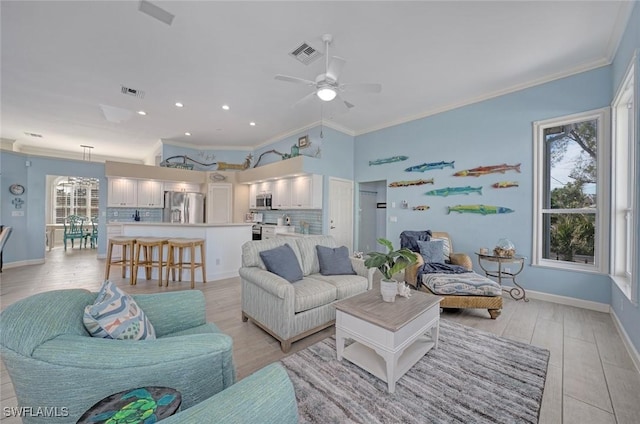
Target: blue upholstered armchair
53 362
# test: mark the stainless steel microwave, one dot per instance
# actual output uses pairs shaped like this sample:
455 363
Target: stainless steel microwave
263 201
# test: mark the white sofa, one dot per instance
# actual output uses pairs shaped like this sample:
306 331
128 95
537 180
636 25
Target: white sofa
291 311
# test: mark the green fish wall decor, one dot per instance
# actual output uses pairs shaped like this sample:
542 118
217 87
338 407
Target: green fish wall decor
448 191
388 160
480 209
429 166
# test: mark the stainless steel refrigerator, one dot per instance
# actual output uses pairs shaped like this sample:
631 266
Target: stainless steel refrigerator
185 208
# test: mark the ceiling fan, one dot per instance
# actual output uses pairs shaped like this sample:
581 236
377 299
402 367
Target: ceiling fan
326 85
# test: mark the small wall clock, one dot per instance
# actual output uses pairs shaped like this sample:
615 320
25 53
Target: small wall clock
16 189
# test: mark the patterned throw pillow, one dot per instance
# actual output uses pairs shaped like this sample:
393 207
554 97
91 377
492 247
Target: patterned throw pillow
115 315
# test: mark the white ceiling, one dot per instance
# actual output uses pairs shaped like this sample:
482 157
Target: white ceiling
63 62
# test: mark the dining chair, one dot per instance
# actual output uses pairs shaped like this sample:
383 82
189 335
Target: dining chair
92 234
74 230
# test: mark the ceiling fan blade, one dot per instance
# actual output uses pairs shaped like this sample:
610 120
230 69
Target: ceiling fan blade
306 99
294 80
361 87
340 105
335 67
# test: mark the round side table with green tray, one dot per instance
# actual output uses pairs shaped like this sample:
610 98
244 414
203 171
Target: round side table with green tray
134 406
516 292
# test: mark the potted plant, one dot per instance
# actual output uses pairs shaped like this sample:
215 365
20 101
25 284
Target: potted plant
389 264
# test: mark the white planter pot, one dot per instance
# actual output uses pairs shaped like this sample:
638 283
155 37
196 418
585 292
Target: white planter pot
389 290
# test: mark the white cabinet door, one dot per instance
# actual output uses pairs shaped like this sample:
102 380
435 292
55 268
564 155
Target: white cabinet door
186 187
150 194
306 192
268 232
265 187
219 201
122 192
253 191
281 194
114 230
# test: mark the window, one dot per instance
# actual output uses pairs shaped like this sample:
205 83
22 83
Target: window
624 216
74 196
570 180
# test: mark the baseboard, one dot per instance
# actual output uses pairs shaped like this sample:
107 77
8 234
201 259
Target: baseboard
16 264
222 275
569 301
633 352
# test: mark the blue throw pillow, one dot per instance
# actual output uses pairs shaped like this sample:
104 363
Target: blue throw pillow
432 251
282 261
334 261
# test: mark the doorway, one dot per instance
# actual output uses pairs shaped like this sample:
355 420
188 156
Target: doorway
341 211
66 196
372 215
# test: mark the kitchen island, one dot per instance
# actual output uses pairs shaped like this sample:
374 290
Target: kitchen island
223 244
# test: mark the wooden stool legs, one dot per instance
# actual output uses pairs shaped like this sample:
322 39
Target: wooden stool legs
145 245
191 244
127 244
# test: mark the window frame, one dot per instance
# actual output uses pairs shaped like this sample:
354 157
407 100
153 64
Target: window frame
624 160
601 236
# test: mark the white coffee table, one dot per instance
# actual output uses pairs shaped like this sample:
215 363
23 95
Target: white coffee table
389 338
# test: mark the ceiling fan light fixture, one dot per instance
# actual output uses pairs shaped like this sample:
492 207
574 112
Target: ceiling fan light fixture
326 94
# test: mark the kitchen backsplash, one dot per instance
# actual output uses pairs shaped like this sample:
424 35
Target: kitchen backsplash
126 214
312 217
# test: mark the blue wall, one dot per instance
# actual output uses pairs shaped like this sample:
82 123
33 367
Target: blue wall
491 132
627 312
27 242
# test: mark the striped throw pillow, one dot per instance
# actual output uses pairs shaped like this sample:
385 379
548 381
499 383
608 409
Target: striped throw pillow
115 315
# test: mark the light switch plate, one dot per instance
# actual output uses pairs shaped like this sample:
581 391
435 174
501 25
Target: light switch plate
393 218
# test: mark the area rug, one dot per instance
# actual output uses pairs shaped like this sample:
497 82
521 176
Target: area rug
473 377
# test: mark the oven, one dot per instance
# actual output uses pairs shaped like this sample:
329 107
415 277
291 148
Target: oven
256 232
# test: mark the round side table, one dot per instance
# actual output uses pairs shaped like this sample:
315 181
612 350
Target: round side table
135 406
516 292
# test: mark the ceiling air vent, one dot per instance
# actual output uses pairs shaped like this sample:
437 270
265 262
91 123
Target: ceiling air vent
132 92
305 53
30 134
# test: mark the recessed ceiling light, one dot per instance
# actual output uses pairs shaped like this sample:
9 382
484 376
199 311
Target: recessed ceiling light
187 133
178 104
253 124
142 112
225 107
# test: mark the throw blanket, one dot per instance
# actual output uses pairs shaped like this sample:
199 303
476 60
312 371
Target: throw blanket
433 267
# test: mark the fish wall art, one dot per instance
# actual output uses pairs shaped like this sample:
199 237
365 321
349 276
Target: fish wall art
388 160
483 170
421 208
410 183
448 191
429 166
505 184
479 209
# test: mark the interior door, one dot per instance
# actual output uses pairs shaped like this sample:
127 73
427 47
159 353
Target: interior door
341 211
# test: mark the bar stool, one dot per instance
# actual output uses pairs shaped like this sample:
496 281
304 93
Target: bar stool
146 245
172 264
124 261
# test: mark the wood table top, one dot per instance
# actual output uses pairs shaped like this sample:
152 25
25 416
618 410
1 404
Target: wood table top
391 316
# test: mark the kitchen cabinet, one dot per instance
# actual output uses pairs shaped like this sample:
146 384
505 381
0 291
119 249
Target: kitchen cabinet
114 230
122 192
186 187
271 231
150 194
306 192
219 201
281 196
253 191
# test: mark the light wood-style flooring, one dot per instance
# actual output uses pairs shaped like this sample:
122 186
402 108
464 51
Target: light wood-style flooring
590 379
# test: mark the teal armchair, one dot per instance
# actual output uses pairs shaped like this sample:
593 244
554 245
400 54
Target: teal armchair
53 362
